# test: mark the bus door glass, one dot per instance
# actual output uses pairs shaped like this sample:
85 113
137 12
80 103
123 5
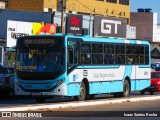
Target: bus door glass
72 54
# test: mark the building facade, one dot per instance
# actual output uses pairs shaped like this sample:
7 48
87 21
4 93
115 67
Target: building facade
146 23
115 8
31 5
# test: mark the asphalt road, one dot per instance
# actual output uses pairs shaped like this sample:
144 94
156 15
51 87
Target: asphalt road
22 100
148 110
139 110
153 105
107 111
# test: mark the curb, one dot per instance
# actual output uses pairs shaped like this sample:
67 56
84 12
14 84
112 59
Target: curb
76 104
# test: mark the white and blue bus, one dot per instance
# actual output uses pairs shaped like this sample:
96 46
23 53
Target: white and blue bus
80 66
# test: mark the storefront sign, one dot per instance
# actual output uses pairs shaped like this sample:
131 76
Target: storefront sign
74 24
110 26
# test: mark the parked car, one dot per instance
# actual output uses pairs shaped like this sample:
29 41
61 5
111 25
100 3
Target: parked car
6 80
155 83
155 66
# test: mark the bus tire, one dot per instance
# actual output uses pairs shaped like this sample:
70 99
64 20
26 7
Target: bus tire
90 97
83 93
75 98
151 93
126 89
142 92
118 94
40 99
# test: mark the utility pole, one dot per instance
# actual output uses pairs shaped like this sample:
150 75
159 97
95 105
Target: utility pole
62 16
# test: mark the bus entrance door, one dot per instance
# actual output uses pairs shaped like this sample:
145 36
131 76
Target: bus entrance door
72 55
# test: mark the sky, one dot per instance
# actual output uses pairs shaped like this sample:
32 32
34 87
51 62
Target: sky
153 4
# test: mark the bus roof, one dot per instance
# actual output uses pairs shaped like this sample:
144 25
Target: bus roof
101 39
109 40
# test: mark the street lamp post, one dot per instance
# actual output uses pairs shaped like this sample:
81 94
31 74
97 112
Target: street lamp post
62 16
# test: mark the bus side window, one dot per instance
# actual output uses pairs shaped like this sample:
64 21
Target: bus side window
75 55
70 56
1 69
9 55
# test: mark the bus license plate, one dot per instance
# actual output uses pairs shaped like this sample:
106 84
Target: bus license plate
36 93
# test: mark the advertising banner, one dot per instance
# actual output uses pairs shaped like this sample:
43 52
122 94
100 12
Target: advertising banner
17 29
110 26
47 28
74 24
131 32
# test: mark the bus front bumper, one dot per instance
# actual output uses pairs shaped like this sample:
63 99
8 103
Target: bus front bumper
58 91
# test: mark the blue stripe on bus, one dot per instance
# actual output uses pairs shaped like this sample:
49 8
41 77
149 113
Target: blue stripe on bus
144 66
145 42
106 40
128 71
132 42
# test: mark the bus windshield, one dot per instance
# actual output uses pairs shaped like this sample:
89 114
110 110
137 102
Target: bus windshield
40 58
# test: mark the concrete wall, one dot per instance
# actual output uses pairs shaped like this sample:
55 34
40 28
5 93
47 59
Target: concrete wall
50 5
144 25
99 7
26 5
156 29
83 6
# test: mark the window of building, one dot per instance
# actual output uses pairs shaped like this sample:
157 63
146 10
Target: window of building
111 1
127 20
124 2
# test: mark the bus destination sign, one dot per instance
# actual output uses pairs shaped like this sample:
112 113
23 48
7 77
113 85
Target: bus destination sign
38 41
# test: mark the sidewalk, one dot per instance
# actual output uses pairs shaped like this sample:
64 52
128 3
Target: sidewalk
78 103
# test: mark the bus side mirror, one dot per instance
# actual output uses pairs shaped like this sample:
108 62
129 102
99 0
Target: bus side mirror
9 55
